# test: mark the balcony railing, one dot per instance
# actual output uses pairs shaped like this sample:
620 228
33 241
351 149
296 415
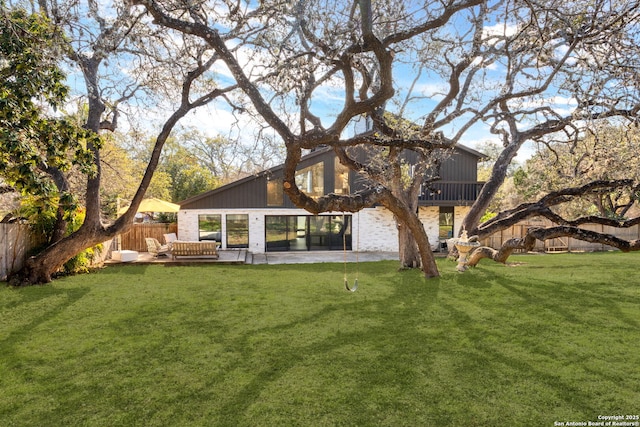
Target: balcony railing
451 191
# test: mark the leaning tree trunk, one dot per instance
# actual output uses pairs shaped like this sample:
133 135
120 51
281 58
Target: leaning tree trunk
41 268
527 243
501 255
62 184
414 249
490 188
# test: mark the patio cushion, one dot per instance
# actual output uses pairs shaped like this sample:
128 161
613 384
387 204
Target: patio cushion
192 249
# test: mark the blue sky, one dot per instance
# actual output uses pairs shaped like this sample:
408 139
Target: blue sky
217 117
329 99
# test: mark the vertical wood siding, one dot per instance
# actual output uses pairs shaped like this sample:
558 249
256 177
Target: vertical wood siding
134 239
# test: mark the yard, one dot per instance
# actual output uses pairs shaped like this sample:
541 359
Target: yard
550 339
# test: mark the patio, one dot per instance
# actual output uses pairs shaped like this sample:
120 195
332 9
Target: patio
245 257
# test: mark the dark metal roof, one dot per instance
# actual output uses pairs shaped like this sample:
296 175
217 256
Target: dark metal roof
265 173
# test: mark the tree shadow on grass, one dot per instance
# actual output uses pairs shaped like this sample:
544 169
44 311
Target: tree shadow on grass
118 269
559 293
556 312
400 349
492 358
42 303
361 348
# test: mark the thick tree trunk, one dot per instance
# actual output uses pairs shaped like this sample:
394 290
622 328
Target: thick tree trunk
60 227
429 267
408 249
409 220
62 184
42 267
527 243
501 255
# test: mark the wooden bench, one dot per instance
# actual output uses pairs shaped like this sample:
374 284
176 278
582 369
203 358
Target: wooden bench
194 249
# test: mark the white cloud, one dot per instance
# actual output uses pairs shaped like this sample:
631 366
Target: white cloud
498 31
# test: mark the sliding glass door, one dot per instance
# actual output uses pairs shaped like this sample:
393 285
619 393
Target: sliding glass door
307 232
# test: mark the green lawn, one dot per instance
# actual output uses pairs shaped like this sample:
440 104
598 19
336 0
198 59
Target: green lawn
554 338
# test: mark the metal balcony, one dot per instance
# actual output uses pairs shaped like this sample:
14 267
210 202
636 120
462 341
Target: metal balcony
456 193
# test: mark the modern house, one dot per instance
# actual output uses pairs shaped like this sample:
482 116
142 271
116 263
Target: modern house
254 213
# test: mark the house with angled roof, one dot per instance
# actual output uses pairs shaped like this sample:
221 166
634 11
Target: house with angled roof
255 214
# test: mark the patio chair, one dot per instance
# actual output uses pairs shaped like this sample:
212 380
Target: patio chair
170 238
155 248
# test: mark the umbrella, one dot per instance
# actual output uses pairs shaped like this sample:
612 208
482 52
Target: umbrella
154 205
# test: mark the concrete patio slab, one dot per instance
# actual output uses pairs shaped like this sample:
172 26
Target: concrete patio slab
314 257
245 257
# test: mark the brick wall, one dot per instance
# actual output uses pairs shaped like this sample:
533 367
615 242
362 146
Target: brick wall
374 229
459 213
430 217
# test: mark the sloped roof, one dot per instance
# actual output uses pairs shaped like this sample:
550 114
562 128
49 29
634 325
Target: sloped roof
267 172
241 181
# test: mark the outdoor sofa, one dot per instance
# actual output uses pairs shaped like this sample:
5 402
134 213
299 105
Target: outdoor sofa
194 249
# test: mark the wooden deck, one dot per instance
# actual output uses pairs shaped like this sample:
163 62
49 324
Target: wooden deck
226 257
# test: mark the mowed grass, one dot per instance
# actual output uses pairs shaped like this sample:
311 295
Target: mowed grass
553 338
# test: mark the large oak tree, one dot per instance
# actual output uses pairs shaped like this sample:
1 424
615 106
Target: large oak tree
104 42
523 70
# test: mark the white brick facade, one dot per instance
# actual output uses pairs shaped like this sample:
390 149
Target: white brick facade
459 212
430 218
373 229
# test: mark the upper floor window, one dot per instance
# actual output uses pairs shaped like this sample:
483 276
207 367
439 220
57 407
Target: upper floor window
275 192
341 178
311 180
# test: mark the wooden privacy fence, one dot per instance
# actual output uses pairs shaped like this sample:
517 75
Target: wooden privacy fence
564 244
16 240
134 239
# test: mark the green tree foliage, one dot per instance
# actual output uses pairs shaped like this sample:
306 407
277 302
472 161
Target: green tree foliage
120 174
187 169
36 147
604 154
188 180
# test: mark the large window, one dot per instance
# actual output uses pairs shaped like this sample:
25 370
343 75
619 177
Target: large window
210 227
341 178
307 232
237 231
311 180
275 192
281 232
